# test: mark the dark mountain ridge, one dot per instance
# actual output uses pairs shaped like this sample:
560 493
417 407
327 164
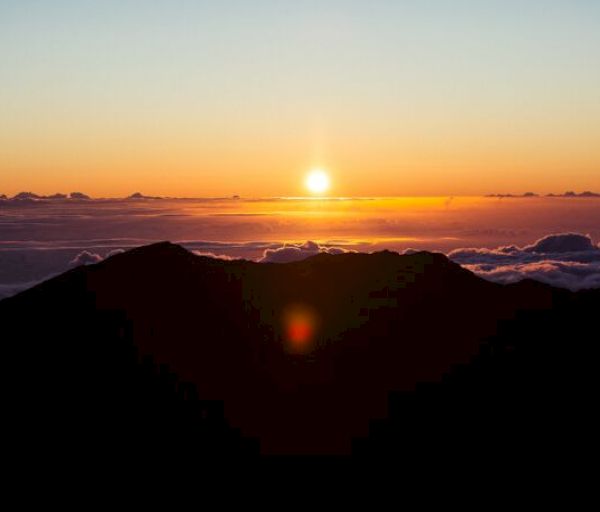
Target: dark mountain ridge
374 354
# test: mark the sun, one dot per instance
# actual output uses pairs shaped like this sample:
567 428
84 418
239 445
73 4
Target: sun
317 181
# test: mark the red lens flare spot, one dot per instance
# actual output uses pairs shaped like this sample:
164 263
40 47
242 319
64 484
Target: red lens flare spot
300 331
299 324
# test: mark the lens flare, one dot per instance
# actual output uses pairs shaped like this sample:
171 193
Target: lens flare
299 326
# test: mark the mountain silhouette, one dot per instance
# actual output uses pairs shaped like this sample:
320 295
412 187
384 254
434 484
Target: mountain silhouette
404 356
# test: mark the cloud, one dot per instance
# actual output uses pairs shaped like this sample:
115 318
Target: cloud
571 275
23 196
32 197
562 243
566 260
21 269
85 258
213 255
139 195
502 196
114 252
587 193
79 195
295 252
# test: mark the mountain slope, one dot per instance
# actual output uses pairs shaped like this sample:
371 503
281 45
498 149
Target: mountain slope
380 353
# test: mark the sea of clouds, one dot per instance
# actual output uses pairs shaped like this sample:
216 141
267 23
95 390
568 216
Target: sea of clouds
498 240
566 260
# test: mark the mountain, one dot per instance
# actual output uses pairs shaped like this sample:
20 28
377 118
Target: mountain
404 356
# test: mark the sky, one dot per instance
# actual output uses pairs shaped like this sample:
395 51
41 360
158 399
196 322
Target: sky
394 98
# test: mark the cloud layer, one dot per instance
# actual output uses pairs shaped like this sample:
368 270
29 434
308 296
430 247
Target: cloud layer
42 237
566 260
291 252
86 258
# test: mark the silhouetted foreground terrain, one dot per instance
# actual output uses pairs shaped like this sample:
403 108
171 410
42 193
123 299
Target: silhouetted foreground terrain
407 356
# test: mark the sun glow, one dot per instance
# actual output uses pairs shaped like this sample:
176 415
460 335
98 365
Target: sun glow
317 181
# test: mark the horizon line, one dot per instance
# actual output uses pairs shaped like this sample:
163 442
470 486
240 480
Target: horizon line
78 196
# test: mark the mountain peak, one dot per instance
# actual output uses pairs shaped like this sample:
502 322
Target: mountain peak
163 250
163 247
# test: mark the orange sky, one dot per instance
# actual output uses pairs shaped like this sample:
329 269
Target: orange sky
215 100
